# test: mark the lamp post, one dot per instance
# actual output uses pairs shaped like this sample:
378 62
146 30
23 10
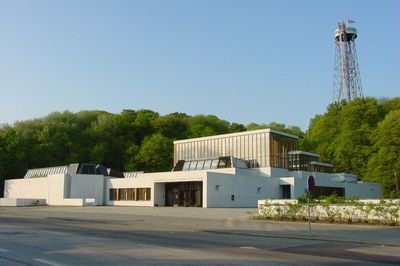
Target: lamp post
310 187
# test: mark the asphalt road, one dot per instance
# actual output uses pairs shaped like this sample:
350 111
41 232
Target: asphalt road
183 236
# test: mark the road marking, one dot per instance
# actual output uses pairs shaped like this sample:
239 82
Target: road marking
49 262
175 249
3 250
376 251
55 233
245 247
161 247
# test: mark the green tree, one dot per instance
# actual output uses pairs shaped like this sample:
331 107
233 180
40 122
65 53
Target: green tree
144 124
174 125
155 153
235 127
343 134
201 125
384 165
294 130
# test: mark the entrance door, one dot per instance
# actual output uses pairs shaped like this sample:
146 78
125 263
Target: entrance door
184 194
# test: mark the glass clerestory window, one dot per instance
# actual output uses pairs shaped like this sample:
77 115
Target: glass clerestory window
220 162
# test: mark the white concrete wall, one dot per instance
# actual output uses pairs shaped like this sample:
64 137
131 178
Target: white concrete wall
158 194
34 188
21 202
87 186
363 190
56 189
221 187
321 179
79 202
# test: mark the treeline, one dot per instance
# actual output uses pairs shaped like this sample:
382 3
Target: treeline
131 140
360 137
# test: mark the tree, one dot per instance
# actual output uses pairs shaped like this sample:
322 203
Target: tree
144 124
384 165
174 125
201 126
343 134
235 127
155 154
294 130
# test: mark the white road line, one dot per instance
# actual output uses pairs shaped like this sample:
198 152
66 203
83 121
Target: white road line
175 249
160 247
376 251
55 233
3 250
49 262
248 247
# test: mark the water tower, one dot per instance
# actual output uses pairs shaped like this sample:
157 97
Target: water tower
347 79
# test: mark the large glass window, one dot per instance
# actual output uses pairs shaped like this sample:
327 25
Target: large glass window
280 145
267 148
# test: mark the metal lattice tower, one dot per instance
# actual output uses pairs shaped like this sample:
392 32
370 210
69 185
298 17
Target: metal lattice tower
347 79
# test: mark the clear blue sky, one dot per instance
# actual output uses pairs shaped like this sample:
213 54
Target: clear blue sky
244 61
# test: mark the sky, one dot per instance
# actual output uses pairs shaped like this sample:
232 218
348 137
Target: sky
243 61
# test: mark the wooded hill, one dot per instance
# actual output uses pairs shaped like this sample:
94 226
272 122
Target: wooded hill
361 137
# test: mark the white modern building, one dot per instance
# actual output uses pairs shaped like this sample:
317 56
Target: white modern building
230 170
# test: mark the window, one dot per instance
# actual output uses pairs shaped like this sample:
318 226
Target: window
186 166
144 194
214 164
199 165
132 194
112 194
280 145
192 165
207 164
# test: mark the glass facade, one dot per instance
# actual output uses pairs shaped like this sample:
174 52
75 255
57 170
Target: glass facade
185 194
323 168
300 161
280 146
306 161
221 162
262 148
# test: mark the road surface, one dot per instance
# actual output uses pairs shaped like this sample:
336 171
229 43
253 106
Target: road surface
183 236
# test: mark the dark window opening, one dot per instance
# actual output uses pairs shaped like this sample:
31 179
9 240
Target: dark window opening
327 191
285 191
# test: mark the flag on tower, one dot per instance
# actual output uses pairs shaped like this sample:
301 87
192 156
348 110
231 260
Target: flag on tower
350 21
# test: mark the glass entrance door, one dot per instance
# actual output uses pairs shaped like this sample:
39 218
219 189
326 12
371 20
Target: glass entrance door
184 194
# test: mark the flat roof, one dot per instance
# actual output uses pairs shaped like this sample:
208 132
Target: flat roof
304 152
321 164
243 133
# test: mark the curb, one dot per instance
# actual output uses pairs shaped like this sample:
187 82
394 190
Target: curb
306 238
